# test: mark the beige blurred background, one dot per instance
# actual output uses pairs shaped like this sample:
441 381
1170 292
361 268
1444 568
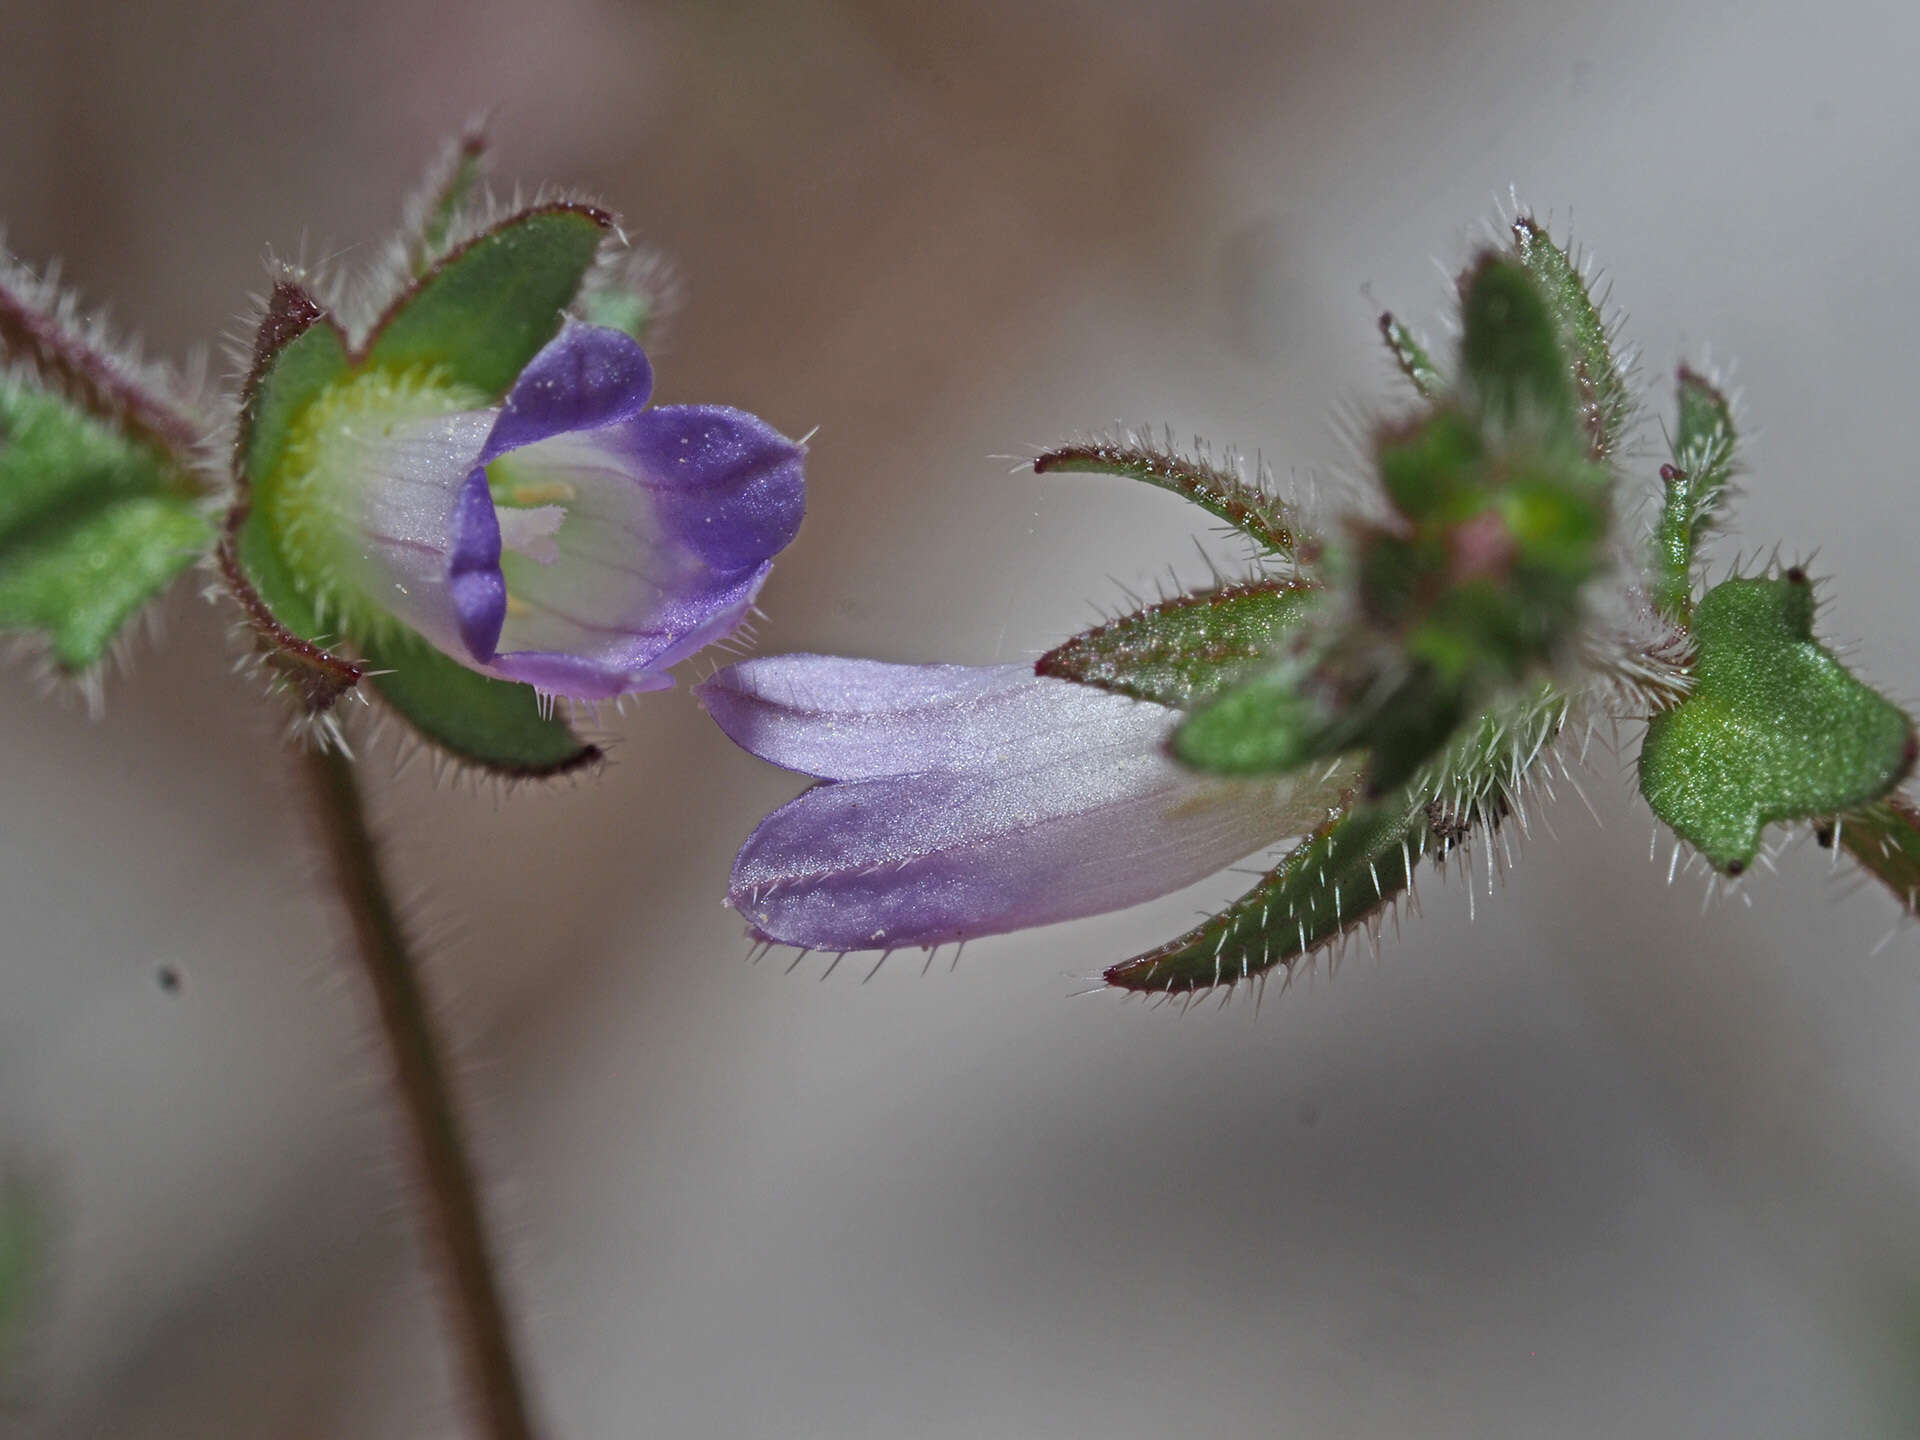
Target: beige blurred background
1591 1164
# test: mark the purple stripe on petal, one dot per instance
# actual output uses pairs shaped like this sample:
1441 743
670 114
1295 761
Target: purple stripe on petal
585 378
726 485
473 579
844 719
950 855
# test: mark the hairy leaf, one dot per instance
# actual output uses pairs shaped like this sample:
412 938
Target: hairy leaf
1775 728
93 525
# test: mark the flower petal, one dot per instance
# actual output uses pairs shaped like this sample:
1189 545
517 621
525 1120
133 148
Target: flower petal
474 582
672 518
728 485
413 534
845 719
1046 829
585 378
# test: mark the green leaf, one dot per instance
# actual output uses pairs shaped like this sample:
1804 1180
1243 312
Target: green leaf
93 525
490 723
1885 839
1696 484
1602 394
1219 490
1340 877
1510 349
1187 648
480 314
1775 728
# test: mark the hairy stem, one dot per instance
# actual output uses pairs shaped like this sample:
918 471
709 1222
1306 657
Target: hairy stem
498 1395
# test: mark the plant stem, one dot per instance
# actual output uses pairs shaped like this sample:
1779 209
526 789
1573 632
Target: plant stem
452 1200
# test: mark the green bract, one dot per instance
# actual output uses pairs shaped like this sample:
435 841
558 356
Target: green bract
457 338
1774 729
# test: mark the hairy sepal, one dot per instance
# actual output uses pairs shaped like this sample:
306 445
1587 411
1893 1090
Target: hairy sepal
1600 388
1349 873
1249 506
1885 839
1695 482
1185 649
1340 877
472 320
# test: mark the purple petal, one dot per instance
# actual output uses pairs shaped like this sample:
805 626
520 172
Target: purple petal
972 801
844 719
728 486
575 676
585 378
950 855
474 581
646 563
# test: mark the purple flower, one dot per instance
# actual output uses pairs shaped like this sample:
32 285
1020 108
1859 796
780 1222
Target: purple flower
570 539
962 801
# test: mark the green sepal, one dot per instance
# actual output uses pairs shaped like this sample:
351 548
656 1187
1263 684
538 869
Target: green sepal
632 312
1219 490
297 354
482 312
1600 390
93 524
1885 839
1410 356
494 724
1774 729
633 292
1184 649
448 195
1434 467
1696 484
1268 723
1350 870
1341 876
1510 350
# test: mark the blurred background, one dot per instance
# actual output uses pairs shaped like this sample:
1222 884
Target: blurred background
1593 1163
